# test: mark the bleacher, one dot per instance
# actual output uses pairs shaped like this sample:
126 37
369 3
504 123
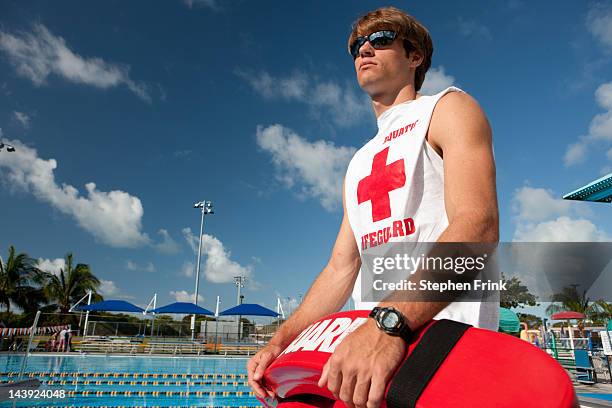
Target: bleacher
173 346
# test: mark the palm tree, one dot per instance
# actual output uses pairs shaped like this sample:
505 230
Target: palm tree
71 284
20 282
571 300
604 310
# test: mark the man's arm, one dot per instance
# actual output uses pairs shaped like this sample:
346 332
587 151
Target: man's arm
330 290
460 131
328 294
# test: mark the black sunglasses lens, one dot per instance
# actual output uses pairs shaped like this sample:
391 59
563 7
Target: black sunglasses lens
356 45
379 39
381 42
382 39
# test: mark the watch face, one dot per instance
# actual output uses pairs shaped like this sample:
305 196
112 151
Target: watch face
390 320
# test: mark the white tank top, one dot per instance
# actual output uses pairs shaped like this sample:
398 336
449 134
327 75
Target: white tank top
394 191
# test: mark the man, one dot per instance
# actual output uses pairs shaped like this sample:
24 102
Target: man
427 176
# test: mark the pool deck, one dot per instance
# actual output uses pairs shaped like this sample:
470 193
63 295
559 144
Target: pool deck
595 388
588 402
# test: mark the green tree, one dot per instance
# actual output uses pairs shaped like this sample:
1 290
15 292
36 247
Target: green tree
571 300
532 321
516 295
71 284
20 282
603 310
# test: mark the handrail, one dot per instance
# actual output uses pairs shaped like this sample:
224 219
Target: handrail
27 352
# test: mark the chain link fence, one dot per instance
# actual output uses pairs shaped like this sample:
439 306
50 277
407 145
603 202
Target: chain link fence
109 333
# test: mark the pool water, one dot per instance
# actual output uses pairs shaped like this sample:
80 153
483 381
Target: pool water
133 381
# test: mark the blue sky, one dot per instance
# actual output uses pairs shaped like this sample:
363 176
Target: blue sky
124 114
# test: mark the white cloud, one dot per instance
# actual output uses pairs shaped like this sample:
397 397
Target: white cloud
562 229
108 288
211 4
22 118
609 154
318 166
182 154
541 217
218 267
191 239
471 28
113 217
536 204
53 266
188 269
601 125
603 95
576 153
293 87
435 81
342 104
133 266
168 245
599 23
38 54
4 89
600 128
183 296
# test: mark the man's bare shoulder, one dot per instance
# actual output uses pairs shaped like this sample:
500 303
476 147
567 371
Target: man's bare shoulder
457 115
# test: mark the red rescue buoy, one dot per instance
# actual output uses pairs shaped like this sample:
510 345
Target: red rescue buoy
482 368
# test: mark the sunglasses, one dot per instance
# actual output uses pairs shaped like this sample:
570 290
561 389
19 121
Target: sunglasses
378 40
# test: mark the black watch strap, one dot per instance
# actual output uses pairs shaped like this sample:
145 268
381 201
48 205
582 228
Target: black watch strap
406 332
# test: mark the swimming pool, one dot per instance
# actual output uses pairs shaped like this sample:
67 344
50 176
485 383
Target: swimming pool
129 381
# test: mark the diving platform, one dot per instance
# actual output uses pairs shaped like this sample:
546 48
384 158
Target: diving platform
599 191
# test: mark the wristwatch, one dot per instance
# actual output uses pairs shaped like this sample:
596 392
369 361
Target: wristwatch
392 322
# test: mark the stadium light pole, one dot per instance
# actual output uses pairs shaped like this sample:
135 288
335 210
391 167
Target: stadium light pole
239 281
206 207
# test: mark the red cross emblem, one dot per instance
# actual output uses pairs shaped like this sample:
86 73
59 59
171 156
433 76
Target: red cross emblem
376 187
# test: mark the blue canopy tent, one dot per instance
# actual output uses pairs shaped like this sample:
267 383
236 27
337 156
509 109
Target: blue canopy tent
111 306
107 306
248 309
182 308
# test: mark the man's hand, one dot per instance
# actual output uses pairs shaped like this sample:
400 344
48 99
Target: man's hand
358 370
258 364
